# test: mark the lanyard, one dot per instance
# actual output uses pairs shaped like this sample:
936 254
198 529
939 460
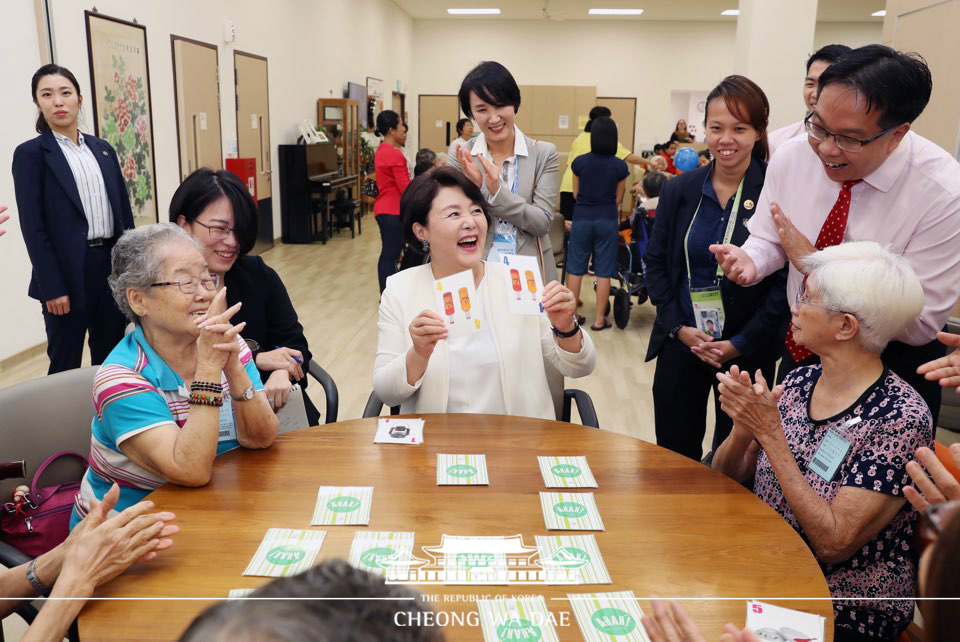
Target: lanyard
515 185
728 234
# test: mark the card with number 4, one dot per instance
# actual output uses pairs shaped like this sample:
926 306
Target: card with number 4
524 284
456 296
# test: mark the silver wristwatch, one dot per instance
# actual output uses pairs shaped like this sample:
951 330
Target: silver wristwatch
246 396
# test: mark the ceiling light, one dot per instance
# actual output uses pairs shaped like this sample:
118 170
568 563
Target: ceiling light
474 12
730 12
615 12
879 14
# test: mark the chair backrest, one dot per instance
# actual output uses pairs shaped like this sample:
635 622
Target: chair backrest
43 416
375 405
293 415
330 392
943 454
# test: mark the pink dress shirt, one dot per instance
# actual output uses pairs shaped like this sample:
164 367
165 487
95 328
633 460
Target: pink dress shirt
910 205
779 136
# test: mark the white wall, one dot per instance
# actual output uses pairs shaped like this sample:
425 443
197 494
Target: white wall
852 34
313 47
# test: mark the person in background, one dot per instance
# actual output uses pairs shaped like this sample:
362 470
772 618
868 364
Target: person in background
695 209
647 190
581 145
680 133
293 609
500 369
393 176
73 206
464 134
816 65
216 208
669 149
599 180
861 174
442 160
516 174
97 550
703 158
426 160
828 449
159 394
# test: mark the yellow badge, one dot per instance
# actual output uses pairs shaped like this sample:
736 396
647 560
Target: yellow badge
748 204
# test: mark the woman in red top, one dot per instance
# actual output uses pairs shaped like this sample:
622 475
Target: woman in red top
669 149
390 166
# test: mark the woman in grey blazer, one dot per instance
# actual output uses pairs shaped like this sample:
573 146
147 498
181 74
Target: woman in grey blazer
517 175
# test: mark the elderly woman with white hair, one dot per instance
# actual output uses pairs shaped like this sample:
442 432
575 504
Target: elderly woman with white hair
180 389
828 449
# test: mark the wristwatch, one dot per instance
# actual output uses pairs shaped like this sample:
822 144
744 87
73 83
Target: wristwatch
568 334
673 334
37 585
246 396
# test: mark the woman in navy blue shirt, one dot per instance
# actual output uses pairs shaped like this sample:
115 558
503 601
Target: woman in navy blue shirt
598 186
705 322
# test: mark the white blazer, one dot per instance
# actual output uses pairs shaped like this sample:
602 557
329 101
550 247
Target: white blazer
524 343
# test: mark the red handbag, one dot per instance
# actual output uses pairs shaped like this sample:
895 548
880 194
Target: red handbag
41 520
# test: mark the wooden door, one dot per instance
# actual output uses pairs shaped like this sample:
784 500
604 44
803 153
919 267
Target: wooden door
196 87
624 113
400 104
438 121
253 117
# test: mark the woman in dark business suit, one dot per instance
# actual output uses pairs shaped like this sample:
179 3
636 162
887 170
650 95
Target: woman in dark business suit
73 206
215 207
705 322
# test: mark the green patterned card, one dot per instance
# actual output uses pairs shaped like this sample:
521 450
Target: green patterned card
378 551
521 618
578 555
570 512
342 505
285 551
236 594
462 470
608 616
566 472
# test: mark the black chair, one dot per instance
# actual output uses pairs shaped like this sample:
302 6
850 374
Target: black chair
374 406
330 391
11 558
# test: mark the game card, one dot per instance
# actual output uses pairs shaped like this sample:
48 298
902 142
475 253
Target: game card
455 297
608 616
524 284
342 506
570 512
771 622
380 552
462 470
391 430
516 618
566 472
236 594
575 559
285 551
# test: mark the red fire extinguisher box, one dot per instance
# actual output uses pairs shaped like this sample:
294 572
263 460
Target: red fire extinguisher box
246 169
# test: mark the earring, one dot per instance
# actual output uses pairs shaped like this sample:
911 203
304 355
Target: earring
426 245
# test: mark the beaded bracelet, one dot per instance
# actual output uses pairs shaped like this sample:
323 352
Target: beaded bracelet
205 386
204 400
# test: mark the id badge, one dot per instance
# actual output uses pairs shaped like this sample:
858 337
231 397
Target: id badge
504 241
831 454
228 426
708 310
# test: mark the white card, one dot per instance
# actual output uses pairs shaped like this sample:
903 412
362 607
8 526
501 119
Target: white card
608 616
382 553
771 622
462 470
285 551
575 558
570 512
342 505
516 618
524 284
566 472
456 296
391 430
236 594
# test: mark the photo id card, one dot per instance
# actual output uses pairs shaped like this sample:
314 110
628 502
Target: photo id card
455 297
524 284
708 310
830 455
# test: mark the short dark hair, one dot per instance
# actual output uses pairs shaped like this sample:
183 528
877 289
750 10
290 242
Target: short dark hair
652 183
387 120
49 70
297 615
603 136
657 148
461 124
896 84
493 84
204 187
418 198
747 102
827 53
424 160
595 113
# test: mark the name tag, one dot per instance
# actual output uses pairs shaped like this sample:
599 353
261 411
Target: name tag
504 241
831 453
228 426
708 310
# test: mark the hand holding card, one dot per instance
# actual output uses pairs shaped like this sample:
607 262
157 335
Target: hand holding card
560 305
456 297
524 284
425 330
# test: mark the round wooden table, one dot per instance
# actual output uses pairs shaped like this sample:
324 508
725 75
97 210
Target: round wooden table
673 527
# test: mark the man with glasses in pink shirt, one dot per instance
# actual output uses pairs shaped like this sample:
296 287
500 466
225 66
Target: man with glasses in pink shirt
863 175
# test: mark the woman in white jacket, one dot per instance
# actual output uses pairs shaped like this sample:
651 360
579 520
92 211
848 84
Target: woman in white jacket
501 368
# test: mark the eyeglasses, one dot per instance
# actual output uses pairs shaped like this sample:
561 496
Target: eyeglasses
217 232
190 284
846 143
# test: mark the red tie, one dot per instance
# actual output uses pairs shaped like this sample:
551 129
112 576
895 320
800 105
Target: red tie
830 234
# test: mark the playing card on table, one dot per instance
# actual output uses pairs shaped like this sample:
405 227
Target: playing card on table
608 616
566 472
570 511
341 506
462 470
236 594
771 622
455 297
379 551
516 618
524 284
284 552
391 430
577 556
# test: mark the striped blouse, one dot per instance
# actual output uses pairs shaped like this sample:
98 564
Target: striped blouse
93 192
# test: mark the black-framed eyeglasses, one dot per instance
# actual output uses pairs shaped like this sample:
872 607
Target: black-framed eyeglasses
190 284
846 143
217 232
